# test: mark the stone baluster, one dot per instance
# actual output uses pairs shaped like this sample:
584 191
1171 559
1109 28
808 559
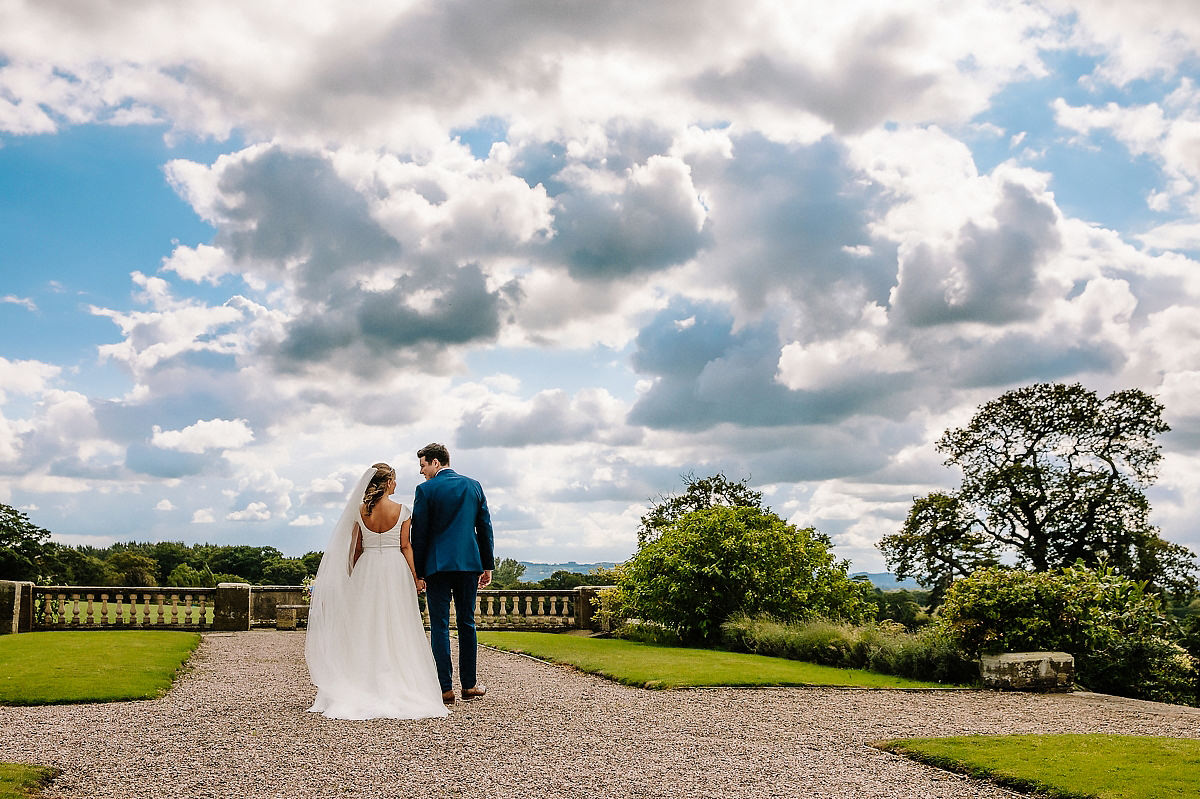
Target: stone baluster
91 617
104 610
503 620
203 610
146 609
174 609
453 615
553 609
541 610
162 616
528 607
75 610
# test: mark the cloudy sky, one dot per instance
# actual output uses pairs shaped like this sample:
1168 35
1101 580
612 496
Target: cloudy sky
248 249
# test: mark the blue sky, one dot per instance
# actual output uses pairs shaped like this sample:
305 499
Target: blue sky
592 250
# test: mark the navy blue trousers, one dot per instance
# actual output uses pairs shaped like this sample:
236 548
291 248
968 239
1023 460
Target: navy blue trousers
440 589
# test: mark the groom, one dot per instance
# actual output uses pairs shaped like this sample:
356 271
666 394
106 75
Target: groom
451 538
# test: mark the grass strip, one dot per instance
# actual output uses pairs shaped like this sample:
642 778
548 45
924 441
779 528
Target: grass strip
649 666
60 667
1067 766
20 781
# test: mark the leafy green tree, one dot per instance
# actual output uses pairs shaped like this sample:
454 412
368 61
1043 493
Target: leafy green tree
244 560
184 575
169 554
563 580
603 576
312 561
284 571
21 544
133 569
507 574
699 493
224 577
939 542
61 565
1051 474
711 563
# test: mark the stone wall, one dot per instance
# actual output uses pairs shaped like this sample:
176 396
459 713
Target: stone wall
264 599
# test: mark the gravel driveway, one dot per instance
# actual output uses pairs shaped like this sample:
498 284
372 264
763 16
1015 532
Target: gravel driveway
235 725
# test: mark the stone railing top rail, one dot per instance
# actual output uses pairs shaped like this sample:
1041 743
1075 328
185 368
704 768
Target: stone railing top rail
175 589
119 589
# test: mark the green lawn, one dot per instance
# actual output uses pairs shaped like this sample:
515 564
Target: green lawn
1068 766
90 666
676 667
141 617
19 781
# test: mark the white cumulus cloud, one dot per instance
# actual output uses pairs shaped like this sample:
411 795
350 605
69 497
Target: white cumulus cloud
205 435
254 512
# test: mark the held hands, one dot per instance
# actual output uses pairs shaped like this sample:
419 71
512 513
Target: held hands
420 586
485 579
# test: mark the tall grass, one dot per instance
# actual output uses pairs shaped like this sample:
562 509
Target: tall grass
885 648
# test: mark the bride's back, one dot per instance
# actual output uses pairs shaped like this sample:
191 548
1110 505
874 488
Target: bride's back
383 516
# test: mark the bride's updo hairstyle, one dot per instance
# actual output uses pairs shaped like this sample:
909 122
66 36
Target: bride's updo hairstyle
377 488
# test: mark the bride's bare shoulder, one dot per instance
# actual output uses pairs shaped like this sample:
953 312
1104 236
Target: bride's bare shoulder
391 509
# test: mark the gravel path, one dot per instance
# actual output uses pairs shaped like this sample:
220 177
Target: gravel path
235 725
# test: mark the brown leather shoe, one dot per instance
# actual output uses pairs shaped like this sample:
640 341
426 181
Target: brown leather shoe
448 697
473 693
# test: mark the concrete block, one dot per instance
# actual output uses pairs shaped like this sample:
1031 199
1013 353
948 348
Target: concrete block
1028 671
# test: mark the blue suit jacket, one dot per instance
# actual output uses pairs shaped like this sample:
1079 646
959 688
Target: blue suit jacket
451 528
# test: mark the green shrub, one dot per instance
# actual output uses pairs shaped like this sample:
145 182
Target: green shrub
647 632
1118 633
711 563
902 606
886 647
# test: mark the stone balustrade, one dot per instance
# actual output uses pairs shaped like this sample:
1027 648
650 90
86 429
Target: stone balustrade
112 607
238 606
522 610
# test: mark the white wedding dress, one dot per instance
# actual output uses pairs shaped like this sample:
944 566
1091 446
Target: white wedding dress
366 648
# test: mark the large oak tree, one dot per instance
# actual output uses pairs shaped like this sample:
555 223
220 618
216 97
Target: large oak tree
1051 475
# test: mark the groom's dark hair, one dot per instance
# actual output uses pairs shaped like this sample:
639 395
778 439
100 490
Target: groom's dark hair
438 452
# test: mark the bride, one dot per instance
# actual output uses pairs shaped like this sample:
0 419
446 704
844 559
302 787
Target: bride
366 647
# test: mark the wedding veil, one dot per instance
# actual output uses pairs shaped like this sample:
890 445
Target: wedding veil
325 645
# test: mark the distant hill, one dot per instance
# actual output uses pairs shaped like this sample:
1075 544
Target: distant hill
540 571
888 582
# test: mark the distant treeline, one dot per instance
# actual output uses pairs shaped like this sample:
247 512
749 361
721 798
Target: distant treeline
172 563
27 553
